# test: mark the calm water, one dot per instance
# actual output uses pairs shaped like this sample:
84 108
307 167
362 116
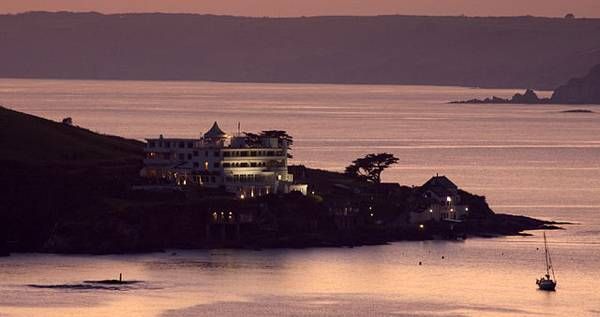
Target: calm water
532 160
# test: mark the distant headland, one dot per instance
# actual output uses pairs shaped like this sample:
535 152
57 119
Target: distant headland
70 190
499 52
583 90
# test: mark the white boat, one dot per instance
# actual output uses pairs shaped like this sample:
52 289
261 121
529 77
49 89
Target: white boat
548 281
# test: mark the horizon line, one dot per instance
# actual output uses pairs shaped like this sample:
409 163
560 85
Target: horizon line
291 16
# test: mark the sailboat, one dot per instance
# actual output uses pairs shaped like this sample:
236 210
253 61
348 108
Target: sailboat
548 281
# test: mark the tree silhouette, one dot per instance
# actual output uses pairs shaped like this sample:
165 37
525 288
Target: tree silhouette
370 167
253 139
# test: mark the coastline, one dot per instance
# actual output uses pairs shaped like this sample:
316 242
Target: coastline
106 216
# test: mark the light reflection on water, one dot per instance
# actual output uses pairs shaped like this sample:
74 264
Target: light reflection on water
531 160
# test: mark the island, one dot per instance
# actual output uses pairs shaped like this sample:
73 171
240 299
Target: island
584 90
71 190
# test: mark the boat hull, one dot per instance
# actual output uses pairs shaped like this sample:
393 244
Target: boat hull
546 285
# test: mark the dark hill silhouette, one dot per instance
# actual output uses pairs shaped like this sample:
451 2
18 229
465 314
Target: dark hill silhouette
486 52
581 90
584 90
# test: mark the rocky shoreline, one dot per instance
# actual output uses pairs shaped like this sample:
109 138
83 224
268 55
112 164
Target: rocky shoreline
577 91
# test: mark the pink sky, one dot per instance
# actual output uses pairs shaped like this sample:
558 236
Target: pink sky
581 8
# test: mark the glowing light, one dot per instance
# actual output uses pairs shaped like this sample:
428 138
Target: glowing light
421 226
451 209
372 214
449 199
467 209
278 177
242 196
430 210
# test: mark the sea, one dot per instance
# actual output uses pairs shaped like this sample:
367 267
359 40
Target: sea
533 160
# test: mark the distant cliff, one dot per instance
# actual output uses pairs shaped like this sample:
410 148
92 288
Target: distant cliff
480 52
584 90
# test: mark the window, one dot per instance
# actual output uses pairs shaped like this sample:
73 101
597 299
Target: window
226 165
180 156
252 153
270 153
213 179
226 154
189 156
167 144
151 144
205 153
195 153
244 164
196 165
244 153
216 154
216 164
181 144
190 145
253 164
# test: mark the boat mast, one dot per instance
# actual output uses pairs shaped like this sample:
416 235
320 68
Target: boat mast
546 256
549 266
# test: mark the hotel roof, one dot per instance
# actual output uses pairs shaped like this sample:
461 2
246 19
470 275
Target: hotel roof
215 132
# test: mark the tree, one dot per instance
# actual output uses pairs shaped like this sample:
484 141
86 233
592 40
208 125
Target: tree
281 136
370 167
253 139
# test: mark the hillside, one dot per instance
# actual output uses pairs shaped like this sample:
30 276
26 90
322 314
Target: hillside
51 172
583 90
30 139
580 90
486 52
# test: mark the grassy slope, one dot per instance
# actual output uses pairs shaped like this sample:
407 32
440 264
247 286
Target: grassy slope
51 173
31 139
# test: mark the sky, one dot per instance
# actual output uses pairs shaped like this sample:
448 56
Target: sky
280 8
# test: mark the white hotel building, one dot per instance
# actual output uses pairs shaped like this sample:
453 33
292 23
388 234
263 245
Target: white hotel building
217 160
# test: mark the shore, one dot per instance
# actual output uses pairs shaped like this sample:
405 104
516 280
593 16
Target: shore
78 192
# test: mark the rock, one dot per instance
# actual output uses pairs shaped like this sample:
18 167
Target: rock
584 90
529 97
578 111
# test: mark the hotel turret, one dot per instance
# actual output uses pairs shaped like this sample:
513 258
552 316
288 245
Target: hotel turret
241 164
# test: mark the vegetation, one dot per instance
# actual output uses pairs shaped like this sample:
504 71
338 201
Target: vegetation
254 139
371 166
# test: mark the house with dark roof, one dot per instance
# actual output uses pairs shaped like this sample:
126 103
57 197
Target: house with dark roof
441 202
